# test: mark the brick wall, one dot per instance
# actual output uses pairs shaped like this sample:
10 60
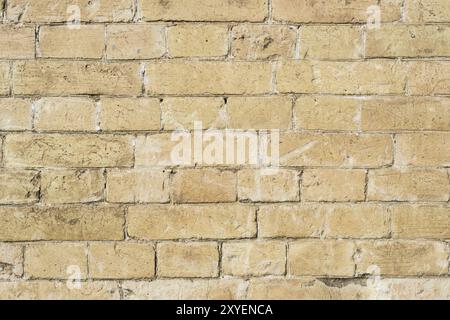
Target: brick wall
92 93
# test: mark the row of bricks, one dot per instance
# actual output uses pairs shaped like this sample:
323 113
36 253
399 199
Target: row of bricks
332 113
272 288
214 186
242 42
225 221
303 11
296 149
330 258
56 77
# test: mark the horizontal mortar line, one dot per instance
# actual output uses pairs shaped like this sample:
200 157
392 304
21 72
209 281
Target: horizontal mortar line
233 130
221 95
213 204
143 21
361 97
227 59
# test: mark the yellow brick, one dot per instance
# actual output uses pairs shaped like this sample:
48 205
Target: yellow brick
199 289
333 185
15 114
208 77
61 223
426 11
320 42
267 186
72 186
55 290
64 114
62 11
337 11
207 185
259 113
76 77
191 221
206 40
293 221
408 185
263 41
428 77
408 41
421 221
327 113
188 260
121 260
402 258
341 150
367 77
4 78
129 114
305 288
357 221
19 186
135 41
138 185
427 149
216 10
329 220
419 289
55 150
402 113
321 258
87 41
181 113
254 258
17 42
155 150
11 261
55 260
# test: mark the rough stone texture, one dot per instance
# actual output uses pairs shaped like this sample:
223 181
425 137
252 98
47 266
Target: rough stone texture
259 113
19 186
121 260
262 186
72 186
62 223
211 77
253 42
333 185
208 185
208 40
15 114
321 258
54 260
254 258
199 260
402 257
408 185
134 186
216 10
191 221
56 150
64 114
319 42
48 77
181 113
333 11
129 114
335 150
135 41
66 42
224 149
17 42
